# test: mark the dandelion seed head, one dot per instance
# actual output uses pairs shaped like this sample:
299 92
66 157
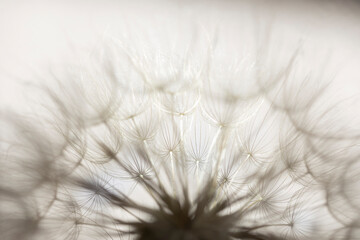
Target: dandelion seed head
182 140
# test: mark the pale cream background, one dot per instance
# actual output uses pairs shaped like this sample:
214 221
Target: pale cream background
36 35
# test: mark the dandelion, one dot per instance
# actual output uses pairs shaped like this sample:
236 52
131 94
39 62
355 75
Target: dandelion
151 145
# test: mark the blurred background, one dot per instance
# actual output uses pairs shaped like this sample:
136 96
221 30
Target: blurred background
39 34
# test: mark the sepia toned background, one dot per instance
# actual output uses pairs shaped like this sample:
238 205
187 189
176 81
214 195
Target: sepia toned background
39 34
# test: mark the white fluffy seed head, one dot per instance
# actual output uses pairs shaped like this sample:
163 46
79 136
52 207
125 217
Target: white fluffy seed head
185 145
